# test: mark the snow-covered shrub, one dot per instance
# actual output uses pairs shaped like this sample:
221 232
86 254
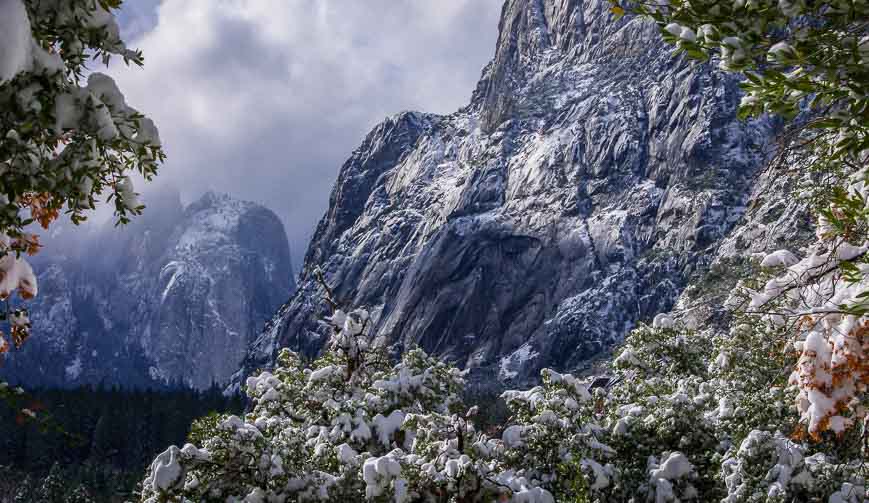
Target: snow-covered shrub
750 363
814 309
552 438
770 468
663 401
723 406
663 351
677 422
350 426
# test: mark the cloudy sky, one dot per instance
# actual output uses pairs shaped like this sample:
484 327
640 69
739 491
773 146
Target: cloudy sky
265 99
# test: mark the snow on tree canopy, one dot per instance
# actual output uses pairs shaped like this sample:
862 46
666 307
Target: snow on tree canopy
352 427
779 258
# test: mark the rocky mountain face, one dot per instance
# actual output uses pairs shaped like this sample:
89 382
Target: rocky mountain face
592 175
775 220
176 297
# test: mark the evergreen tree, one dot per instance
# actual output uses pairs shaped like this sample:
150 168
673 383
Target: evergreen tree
53 487
79 495
25 493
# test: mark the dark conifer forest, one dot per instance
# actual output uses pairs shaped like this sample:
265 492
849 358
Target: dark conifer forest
93 444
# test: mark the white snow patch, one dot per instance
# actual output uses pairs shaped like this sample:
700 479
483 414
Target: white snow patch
517 360
779 258
73 370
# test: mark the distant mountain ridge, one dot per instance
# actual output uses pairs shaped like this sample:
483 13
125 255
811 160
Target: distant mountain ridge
174 297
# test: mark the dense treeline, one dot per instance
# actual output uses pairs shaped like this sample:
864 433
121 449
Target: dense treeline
93 444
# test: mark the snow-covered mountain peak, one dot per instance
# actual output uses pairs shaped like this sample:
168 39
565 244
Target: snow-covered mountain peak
212 220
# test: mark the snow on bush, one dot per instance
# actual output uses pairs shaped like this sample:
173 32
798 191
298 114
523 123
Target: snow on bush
718 411
353 427
821 301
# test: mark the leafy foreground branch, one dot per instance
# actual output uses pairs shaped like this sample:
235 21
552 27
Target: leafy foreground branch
66 141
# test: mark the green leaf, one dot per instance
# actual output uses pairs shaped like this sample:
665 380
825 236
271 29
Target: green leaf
825 123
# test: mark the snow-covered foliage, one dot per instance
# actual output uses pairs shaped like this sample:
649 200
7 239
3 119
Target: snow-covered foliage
64 137
352 427
820 300
727 407
64 141
770 467
804 60
676 423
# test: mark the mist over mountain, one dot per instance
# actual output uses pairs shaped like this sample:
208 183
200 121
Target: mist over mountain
175 297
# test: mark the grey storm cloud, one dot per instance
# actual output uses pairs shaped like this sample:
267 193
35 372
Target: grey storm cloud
264 99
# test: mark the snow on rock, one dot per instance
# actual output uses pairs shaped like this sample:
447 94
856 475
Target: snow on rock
73 370
516 361
535 227
663 320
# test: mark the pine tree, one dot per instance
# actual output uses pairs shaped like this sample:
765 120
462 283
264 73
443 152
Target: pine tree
53 487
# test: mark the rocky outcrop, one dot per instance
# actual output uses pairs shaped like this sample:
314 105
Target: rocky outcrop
176 297
774 220
589 178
